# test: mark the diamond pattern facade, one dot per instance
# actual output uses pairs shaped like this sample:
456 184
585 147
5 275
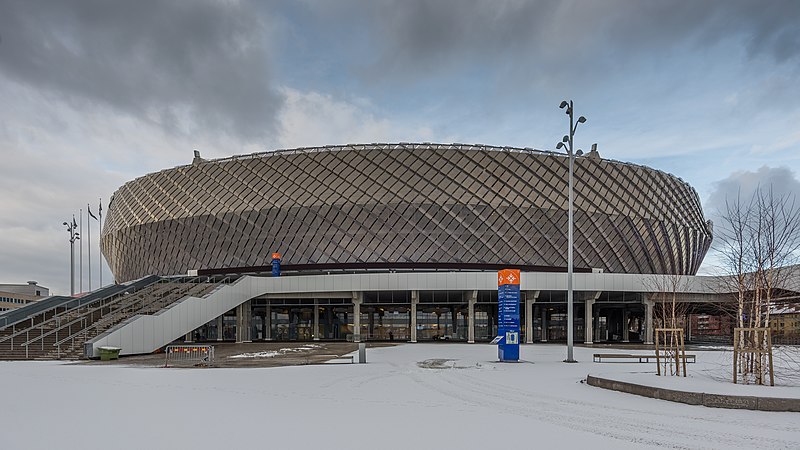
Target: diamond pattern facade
403 203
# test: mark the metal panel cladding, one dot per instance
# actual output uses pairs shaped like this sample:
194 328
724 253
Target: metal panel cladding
404 203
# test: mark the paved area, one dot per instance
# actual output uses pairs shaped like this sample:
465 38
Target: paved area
257 354
279 354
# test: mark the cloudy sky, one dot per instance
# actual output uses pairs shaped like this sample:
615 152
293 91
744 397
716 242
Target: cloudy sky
95 93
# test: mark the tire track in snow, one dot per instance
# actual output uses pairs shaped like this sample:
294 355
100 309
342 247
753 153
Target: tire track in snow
623 424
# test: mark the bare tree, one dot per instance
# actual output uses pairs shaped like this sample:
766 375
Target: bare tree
759 239
669 312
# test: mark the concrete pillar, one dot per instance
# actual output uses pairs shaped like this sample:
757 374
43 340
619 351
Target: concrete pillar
413 314
473 297
588 326
597 321
530 299
588 318
239 323
358 297
263 327
544 323
219 328
268 323
454 318
243 322
625 335
248 321
315 334
648 319
687 320
188 338
370 323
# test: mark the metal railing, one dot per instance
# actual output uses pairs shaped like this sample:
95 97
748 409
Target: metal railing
193 354
146 302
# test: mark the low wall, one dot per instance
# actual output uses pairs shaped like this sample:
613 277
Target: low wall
699 398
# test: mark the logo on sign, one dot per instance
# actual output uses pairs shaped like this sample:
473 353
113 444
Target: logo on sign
508 276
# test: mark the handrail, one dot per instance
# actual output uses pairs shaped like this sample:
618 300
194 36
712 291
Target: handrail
42 307
57 317
157 298
133 300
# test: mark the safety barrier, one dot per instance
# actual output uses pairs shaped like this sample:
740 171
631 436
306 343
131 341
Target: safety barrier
193 354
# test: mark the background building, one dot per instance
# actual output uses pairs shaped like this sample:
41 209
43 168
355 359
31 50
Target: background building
13 296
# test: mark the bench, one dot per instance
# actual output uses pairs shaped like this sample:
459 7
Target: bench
621 357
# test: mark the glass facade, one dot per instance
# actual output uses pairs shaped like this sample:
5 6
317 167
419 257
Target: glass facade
440 316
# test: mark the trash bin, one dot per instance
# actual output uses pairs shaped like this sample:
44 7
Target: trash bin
109 353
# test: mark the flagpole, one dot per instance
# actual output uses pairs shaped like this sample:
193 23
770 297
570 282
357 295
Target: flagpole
80 253
89 244
99 241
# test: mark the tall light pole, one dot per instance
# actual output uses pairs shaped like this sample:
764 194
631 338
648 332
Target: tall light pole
569 141
73 236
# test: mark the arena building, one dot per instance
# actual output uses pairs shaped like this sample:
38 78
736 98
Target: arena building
395 242
404 206
409 209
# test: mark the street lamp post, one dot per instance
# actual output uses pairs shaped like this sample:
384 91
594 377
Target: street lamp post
569 141
73 236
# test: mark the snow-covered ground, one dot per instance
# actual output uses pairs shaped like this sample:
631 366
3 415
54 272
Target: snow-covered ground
713 374
420 396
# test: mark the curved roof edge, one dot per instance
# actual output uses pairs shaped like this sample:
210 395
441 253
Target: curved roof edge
404 145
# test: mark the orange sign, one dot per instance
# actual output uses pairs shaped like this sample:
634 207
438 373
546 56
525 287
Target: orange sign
508 276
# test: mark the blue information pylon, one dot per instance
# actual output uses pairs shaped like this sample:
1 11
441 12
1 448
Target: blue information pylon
508 315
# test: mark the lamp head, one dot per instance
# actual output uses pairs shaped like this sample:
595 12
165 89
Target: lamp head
565 138
65 223
579 152
581 119
563 104
559 145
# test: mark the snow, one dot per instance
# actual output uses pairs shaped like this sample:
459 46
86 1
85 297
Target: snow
713 374
272 354
445 396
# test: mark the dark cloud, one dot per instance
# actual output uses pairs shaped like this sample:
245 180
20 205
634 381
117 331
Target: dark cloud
184 65
744 184
553 40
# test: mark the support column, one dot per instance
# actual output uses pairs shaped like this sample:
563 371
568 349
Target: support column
243 322
219 328
268 323
687 319
588 325
625 335
530 299
544 323
315 334
597 321
473 297
188 338
370 323
588 318
358 297
264 327
413 314
648 319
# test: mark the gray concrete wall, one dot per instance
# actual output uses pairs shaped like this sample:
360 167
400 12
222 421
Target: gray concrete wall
699 398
